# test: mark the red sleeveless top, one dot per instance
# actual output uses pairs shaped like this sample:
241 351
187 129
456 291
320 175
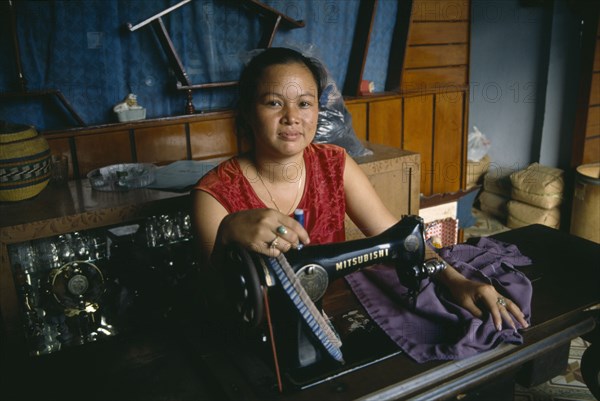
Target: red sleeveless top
323 200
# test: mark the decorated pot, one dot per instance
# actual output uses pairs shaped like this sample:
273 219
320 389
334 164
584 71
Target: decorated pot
24 162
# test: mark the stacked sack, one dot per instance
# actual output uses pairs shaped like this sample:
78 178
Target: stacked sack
496 193
536 195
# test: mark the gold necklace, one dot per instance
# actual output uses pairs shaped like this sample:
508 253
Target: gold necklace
271 195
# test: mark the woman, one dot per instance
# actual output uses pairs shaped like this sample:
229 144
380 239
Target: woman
248 200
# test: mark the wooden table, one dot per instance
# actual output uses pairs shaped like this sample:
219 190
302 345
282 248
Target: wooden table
176 363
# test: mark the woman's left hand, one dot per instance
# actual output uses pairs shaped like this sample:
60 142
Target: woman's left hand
474 296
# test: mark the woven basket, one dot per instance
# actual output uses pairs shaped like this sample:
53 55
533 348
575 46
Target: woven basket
24 162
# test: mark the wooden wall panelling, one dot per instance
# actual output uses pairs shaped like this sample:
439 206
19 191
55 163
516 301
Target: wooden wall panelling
440 10
448 142
358 111
385 122
161 145
437 52
213 138
434 79
99 150
428 33
434 125
418 135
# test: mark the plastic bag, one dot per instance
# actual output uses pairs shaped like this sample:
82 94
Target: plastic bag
478 145
335 123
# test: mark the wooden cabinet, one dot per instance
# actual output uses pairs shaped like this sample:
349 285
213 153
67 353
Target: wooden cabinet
394 174
434 125
58 210
160 141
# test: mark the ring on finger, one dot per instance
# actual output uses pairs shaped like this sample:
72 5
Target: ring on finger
282 230
274 243
501 301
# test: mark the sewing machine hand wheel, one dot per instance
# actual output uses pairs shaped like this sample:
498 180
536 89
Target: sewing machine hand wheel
246 291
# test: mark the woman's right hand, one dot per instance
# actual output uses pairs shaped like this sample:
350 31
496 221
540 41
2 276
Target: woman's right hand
265 231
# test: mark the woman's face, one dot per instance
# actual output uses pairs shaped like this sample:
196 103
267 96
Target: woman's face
286 110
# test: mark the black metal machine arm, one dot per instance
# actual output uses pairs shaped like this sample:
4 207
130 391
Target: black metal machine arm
316 266
402 246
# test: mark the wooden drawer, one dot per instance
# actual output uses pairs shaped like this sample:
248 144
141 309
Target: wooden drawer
94 151
161 145
213 138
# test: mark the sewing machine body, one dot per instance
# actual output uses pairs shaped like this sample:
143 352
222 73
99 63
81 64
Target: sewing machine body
297 349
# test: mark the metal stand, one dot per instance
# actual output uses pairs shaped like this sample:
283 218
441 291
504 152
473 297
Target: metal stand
275 18
23 92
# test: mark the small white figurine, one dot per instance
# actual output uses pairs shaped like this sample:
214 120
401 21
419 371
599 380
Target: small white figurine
130 103
129 109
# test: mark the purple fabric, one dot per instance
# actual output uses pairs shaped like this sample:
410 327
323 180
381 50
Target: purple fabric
439 329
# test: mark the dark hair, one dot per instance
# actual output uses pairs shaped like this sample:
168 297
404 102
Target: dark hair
252 72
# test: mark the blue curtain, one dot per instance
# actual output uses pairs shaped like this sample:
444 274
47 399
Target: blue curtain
83 49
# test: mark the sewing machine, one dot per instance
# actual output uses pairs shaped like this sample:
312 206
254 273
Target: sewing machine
280 299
